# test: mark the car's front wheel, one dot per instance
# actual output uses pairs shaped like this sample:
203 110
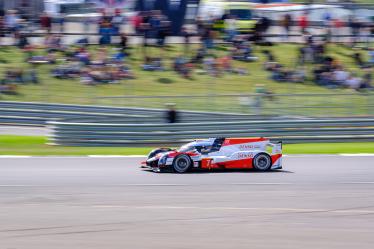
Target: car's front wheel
182 163
262 162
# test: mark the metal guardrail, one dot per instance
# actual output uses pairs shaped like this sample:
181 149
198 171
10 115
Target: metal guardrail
28 113
76 133
113 126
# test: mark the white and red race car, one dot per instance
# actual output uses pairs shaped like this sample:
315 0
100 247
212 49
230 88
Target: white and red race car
218 153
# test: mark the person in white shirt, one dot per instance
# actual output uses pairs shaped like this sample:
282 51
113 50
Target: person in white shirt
340 76
230 27
11 20
353 82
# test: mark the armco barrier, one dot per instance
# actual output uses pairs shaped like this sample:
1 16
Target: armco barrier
24 113
77 133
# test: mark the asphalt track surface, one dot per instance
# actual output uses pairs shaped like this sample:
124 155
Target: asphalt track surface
110 203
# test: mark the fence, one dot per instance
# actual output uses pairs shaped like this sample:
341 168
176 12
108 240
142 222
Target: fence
195 107
113 126
24 113
107 133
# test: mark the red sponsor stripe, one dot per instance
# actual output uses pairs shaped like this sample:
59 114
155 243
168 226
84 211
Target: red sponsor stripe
245 163
275 157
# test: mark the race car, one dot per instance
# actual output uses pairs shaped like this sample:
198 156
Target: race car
218 153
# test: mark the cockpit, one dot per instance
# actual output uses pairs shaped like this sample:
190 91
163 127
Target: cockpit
203 146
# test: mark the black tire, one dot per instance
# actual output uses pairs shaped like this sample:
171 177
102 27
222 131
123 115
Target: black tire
182 164
262 162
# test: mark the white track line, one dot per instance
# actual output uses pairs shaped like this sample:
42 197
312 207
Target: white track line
358 154
11 156
357 182
296 210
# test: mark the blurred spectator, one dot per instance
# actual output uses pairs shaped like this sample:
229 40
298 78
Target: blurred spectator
355 27
116 22
209 66
367 79
171 114
46 22
299 75
137 21
164 31
207 37
61 22
326 17
198 58
371 57
105 32
11 21
186 39
353 82
269 60
153 64
242 51
123 43
7 88
260 29
2 30
183 67
338 26
23 42
230 27
32 76
53 43
303 22
286 24
358 59
340 76
67 71
261 93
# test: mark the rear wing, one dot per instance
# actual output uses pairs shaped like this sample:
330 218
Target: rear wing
276 148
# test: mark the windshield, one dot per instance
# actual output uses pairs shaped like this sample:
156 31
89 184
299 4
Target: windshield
241 14
201 145
186 148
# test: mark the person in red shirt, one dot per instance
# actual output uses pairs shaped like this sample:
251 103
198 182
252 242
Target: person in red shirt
337 25
46 22
303 22
136 22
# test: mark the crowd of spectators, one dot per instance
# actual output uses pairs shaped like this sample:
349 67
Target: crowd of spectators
102 67
110 63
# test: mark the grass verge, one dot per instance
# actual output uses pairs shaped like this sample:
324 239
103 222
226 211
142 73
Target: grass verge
36 146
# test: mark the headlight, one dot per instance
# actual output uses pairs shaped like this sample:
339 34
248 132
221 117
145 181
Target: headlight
162 160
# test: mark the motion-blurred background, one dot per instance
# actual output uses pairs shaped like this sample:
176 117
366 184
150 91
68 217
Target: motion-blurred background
190 62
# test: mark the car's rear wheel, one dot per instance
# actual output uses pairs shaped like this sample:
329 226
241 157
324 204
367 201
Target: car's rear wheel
182 164
262 162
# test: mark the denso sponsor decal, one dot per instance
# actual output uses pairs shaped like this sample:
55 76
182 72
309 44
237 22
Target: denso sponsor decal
244 155
249 146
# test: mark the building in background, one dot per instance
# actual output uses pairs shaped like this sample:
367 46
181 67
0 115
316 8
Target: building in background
27 8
